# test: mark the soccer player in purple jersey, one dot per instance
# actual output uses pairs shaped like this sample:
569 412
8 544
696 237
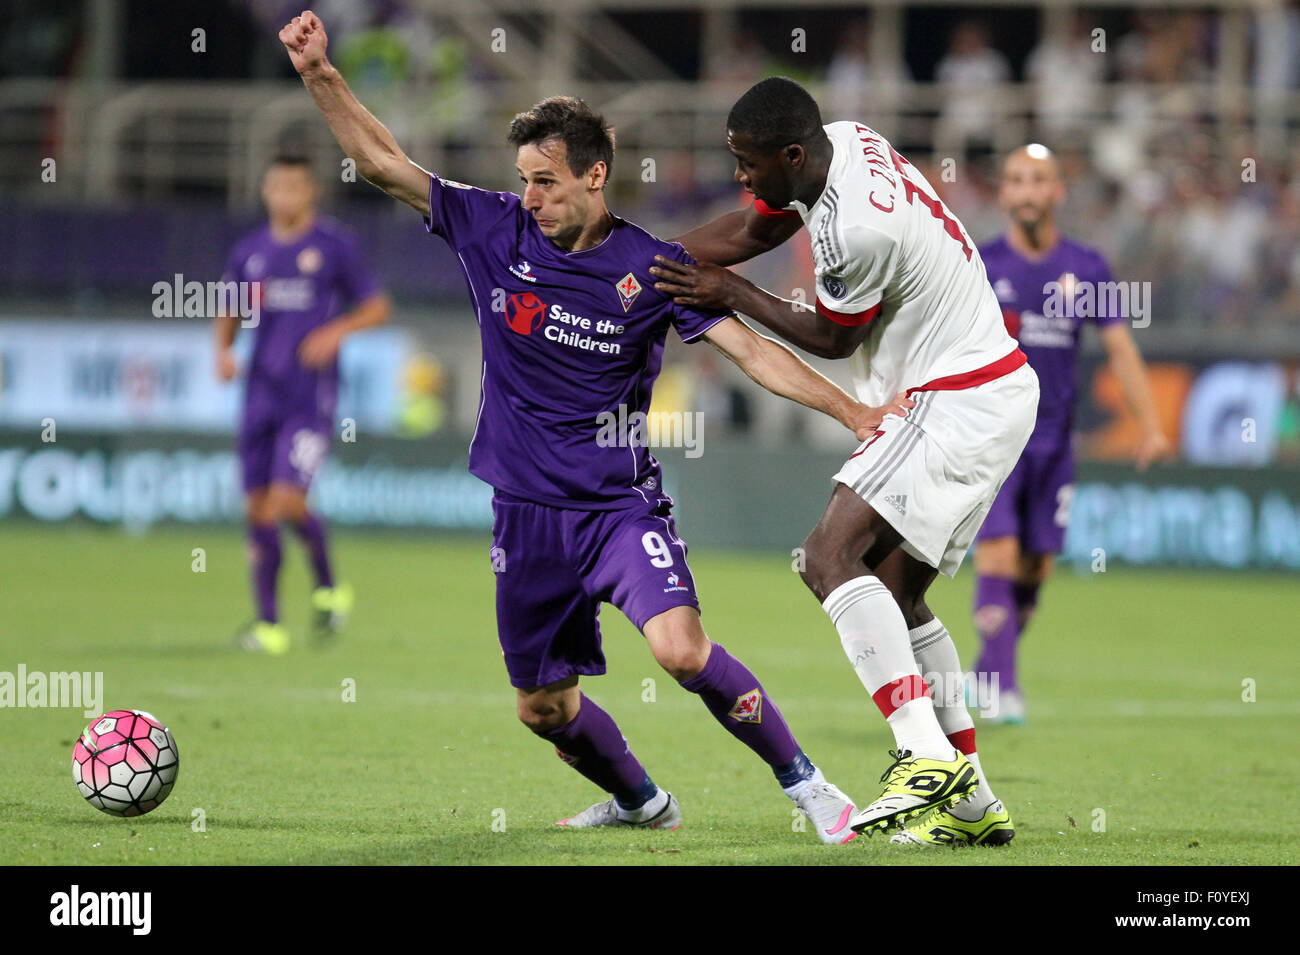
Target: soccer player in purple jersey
1016 546
308 272
573 334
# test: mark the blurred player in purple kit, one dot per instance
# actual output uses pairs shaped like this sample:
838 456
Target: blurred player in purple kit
308 271
1016 546
573 334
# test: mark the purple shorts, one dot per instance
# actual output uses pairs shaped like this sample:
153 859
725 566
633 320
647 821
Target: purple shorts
283 450
1034 503
556 566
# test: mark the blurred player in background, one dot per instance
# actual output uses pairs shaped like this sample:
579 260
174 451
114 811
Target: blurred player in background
309 272
1016 546
902 294
572 337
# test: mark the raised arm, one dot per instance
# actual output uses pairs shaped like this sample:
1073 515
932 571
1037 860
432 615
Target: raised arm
739 236
363 138
782 372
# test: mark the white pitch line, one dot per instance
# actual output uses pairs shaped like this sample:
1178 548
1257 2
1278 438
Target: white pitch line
1046 709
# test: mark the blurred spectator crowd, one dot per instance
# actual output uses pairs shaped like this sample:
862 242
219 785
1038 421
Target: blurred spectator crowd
1175 128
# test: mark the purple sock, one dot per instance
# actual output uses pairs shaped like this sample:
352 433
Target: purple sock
998 625
264 561
738 701
592 744
312 532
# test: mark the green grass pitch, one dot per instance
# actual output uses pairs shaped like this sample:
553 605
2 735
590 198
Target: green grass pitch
1134 682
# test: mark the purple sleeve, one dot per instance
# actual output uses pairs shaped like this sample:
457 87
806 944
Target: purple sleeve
459 213
1100 276
357 280
690 321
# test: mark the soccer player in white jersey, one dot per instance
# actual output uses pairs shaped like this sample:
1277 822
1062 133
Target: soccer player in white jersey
902 293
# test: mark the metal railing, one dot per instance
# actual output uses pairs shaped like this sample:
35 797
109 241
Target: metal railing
125 143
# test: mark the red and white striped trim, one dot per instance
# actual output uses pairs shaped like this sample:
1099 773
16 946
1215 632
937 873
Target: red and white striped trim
848 318
963 741
980 376
899 692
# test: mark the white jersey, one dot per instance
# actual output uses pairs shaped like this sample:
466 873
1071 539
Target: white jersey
887 251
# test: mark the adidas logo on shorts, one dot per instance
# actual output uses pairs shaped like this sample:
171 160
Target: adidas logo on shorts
897 501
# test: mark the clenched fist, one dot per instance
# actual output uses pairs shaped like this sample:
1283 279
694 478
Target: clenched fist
304 37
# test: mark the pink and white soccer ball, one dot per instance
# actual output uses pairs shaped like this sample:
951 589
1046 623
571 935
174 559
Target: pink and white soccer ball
125 763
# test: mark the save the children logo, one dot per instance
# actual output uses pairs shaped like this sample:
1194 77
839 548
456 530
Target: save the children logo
525 312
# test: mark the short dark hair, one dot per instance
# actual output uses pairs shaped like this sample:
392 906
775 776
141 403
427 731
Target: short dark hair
776 112
291 159
587 138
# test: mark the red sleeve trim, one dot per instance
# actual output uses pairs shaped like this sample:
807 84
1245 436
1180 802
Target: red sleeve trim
763 209
848 318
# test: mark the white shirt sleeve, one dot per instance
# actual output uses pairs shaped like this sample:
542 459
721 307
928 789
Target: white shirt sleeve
850 292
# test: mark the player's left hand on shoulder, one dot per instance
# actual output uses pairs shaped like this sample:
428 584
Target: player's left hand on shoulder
702 285
319 347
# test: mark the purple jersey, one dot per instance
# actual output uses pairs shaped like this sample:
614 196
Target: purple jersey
572 344
1033 299
304 284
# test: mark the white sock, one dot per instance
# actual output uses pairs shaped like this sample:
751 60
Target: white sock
916 729
798 788
974 805
936 655
653 806
874 635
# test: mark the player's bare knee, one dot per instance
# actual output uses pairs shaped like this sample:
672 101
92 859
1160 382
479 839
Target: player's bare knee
825 565
542 712
683 659
262 515
287 505
998 557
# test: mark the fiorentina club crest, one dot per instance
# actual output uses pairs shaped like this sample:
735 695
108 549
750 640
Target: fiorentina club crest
748 708
309 260
628 289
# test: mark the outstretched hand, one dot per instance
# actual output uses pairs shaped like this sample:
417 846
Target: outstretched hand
304 37
866 420
701 285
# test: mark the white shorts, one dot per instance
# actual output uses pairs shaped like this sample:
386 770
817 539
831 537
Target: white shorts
934 474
